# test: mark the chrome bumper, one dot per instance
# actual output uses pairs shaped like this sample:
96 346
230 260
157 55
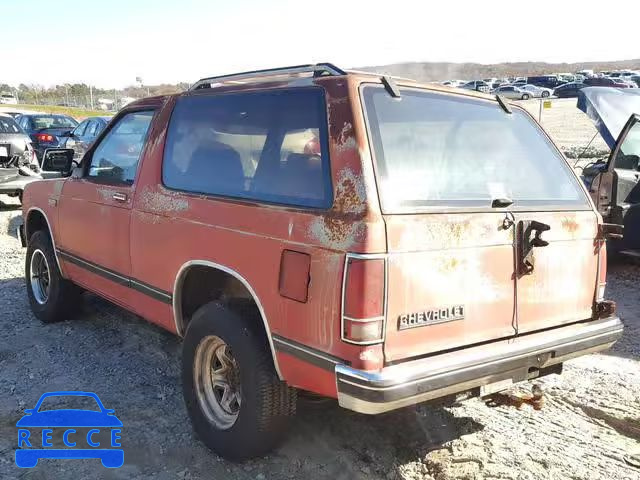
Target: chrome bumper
463 370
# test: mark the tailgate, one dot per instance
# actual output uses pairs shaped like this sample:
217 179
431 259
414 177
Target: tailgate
561 287
450 282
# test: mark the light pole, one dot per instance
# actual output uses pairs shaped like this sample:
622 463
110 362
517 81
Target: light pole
139 81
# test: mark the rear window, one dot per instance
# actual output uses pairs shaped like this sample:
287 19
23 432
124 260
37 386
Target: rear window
7 125
53 121
435 150
269 146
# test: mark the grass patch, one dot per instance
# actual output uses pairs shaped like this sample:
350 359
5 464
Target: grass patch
77 113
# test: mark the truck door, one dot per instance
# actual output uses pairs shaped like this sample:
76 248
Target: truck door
617 190
95 209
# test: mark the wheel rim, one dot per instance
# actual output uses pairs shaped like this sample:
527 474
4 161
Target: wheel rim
40 277
217 381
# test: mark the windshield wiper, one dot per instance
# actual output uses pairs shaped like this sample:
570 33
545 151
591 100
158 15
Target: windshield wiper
501 202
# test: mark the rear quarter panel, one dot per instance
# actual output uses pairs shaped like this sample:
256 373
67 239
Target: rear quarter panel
171 228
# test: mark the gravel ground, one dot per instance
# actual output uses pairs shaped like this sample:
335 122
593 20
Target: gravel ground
590 421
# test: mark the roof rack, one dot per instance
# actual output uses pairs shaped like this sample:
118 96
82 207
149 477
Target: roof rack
317 69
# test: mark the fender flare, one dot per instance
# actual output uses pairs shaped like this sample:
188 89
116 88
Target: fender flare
51 236
177 300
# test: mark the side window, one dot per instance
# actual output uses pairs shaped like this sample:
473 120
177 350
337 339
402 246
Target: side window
269 146
628 156
115 159
92 129
79 130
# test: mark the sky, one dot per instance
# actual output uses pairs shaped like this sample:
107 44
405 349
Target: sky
110 43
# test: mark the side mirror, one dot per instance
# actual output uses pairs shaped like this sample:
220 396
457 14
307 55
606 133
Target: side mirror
29 411
57 160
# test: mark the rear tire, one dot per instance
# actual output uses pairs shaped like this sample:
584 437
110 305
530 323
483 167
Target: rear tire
525 96
238 406
52 298
545 94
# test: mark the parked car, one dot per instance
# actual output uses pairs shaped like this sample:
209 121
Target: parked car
10 113
7 98
477 85
605 82
512 92
17 159
538 92
569 90
46 130
81 137
636 80
453 83
326 266
546 81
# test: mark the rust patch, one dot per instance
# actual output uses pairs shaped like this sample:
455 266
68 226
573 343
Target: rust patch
570 225
341 226
162 202
336 232
350 193
449 264
346 139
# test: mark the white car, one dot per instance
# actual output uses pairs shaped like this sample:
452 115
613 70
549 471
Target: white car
513 93
536 91
8 99
453 83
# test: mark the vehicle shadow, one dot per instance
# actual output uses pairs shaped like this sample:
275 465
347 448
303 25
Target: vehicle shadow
7 207
134 367
623 278
372 446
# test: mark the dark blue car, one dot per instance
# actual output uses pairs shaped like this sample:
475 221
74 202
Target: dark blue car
33 447
46 130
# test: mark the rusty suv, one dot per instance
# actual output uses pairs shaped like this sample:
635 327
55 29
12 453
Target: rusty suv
360 237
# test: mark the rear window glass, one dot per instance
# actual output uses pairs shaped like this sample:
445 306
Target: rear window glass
268 146
435 150
53 121
7 125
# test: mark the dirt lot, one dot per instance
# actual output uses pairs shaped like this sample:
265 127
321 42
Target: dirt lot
590 421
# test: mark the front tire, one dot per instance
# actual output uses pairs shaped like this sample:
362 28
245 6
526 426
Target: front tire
52 298
525 96
238 406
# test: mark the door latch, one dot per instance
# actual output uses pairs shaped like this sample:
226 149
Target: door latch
119 197
529 237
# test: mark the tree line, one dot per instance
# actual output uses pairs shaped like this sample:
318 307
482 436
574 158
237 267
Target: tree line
81 94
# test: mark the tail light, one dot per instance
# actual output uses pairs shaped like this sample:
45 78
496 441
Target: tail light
45 137
364 299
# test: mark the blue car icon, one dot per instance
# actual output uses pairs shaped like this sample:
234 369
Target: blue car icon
32 448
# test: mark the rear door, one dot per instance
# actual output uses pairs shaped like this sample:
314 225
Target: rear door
457 176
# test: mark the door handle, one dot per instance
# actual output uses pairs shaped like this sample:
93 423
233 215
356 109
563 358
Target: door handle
119 197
